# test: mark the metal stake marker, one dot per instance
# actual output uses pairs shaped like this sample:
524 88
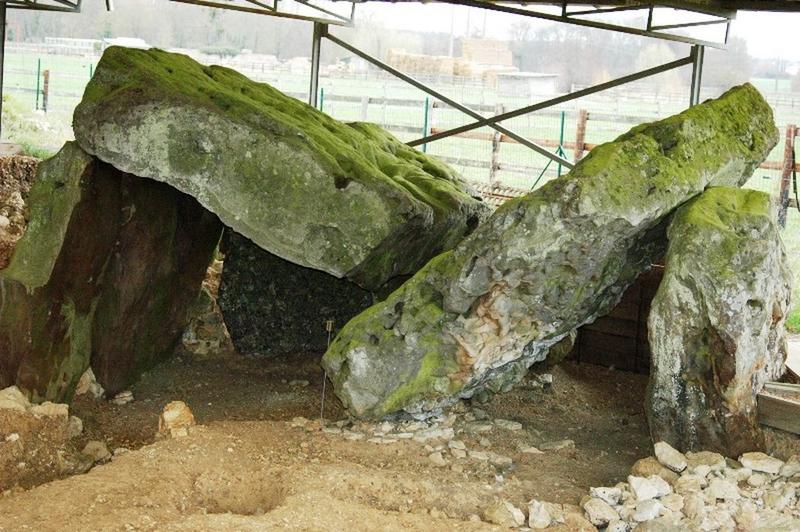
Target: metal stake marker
329 328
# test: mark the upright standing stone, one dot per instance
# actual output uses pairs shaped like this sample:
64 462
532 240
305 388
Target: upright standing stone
544 264
105 272
717 322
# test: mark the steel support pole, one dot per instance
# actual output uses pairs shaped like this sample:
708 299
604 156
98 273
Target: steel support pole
449 101
697 55
316 45
2 58
489 121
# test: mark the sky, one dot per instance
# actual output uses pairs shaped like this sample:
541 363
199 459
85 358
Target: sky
767 34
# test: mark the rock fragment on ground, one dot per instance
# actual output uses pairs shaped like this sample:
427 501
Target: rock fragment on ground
476 318
97 451
670 457
176 419
504 513
706 497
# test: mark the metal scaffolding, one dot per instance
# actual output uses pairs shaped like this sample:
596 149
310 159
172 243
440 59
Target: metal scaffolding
579 12
568 15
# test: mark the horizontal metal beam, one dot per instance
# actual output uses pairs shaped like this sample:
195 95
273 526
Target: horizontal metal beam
307 3
596 24
61 6
490 121
603 10
261 11
449 101
690 24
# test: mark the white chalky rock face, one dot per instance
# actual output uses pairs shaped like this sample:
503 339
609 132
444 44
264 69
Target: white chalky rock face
761 462
504 513
670 457
723 489
791 467
538 515
647 510
609 495
599 512
648 488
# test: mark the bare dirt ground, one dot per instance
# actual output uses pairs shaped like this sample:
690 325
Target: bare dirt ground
245 468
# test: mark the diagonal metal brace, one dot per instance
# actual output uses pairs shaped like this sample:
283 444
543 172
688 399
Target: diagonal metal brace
490 121
449 101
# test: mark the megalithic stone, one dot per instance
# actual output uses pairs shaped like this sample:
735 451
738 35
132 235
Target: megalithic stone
105 273
477 317
717 323
347 199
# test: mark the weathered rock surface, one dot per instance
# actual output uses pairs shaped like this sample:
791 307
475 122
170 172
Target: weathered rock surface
16 175
105 272
717 322
544 264
350 200
274 307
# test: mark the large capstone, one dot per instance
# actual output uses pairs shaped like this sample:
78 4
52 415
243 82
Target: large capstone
347 199
104 274
717 322
274 307
478 316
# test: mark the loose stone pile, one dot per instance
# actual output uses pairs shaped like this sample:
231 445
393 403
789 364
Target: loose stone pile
700 491
445 436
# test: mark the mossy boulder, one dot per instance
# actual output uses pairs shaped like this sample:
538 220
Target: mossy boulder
347 199
104 275
717 322
477 317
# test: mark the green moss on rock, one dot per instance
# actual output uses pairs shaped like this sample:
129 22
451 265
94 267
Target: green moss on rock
105 273
717 322
544 264
349 199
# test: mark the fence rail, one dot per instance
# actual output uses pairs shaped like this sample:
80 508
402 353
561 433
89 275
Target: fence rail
486 157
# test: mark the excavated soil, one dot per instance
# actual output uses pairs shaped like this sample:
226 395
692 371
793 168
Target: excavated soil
245 468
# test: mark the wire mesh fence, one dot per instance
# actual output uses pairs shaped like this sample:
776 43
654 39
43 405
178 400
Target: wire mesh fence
480 155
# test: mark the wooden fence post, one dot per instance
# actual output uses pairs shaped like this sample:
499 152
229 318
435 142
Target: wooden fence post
495 163
45 89
580 135
786 173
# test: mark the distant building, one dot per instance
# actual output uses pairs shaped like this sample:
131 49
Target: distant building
526 84
487 52
128 42
480 59
67 46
